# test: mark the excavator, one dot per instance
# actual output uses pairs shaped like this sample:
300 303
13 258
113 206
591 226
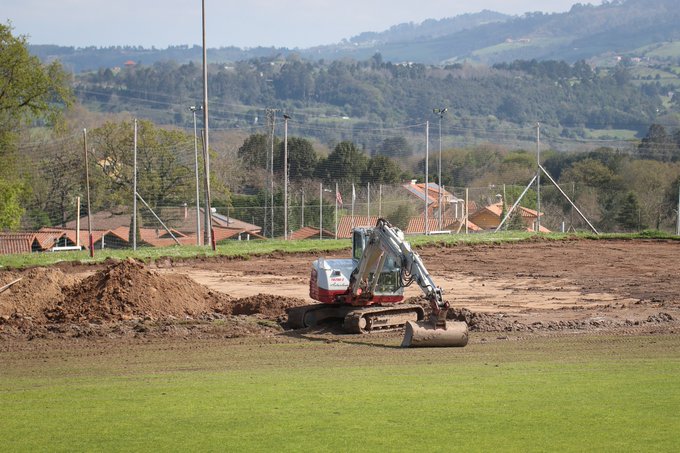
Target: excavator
366 290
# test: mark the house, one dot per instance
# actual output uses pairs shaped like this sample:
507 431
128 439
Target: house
311 233
11 243
179 219
347 223
451 205
489 217
416 225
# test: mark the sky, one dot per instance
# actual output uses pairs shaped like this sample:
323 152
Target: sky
245 23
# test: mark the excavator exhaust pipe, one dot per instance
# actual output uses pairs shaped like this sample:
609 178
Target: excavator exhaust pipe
424 334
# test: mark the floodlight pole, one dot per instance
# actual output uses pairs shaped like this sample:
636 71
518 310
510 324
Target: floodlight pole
427 172
134 189
440 112
538 177
198 206
285 176
206 142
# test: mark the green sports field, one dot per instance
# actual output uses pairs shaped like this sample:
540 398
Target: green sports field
571 392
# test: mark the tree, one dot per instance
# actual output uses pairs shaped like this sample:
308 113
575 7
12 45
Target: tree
658 145
382 170
29 91
302 158
10 208
395 147
163 176
255 149
628 216
345 164
401 215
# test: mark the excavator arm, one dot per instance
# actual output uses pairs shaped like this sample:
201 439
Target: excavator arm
386 241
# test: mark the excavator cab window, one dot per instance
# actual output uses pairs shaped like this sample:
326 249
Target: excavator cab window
358 239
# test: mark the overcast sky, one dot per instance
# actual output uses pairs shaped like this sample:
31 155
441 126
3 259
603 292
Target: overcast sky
244 23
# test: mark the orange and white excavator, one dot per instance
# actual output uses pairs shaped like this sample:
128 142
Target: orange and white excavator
366 291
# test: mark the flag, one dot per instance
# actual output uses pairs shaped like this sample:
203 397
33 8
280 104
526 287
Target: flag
338 197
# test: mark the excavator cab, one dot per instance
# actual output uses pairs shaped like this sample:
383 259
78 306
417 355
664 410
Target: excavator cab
388 281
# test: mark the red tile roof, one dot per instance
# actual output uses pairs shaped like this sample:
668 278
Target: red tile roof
16 242
345 224
416 225
311 233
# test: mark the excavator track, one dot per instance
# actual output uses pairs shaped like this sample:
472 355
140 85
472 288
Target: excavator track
356 319
369 319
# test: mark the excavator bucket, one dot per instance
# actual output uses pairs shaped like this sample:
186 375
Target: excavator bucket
425 334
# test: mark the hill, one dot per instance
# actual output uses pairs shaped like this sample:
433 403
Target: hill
596 33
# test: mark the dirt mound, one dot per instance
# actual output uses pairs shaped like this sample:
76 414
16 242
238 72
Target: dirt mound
268 305
128 290
38 290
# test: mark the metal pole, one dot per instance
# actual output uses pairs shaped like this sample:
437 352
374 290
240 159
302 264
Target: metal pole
677 219
550 178
368 201
467 211
134 195
538 177
427 172
302 208
320 208
380 200
78 222
440 112
285 176
198 206
336 210
206 140
207 234
87 185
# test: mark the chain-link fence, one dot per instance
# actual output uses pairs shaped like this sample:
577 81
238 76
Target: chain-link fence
325 180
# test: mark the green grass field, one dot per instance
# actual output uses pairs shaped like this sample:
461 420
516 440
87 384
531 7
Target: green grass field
565 393
245 249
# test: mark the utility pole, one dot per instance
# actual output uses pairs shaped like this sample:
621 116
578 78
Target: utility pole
538 177
198 206
677 219
206 141
134 192
285 176
271 119
427 172
441 113
90 241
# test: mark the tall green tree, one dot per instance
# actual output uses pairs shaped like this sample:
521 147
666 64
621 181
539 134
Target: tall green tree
29 91
164 176
345 164
302 158
628 216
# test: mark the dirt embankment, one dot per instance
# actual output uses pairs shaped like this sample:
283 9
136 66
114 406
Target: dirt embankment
129 297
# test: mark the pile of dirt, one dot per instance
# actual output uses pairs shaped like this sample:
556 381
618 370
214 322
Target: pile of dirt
129 291
268 305
38 290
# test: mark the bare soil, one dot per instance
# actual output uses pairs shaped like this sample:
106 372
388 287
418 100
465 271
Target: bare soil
535 287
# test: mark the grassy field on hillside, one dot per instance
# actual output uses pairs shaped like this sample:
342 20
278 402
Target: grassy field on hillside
244 249
565 393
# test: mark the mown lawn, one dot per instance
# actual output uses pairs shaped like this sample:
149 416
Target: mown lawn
346 393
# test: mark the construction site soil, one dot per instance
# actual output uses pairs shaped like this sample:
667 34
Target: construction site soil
536 287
